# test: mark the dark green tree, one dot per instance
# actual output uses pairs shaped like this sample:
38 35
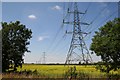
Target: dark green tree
15 38
106 43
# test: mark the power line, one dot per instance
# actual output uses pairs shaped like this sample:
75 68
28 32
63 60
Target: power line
55 47
95 18
63 9
59 29
105 20
56 35
86 10
66 16
99 14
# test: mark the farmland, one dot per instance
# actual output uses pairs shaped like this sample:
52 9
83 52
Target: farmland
59 71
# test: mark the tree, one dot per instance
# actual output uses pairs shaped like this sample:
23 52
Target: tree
106 43
15 38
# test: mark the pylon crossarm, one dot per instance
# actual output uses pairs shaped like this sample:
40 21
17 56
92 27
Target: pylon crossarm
71 23
84 23
76 12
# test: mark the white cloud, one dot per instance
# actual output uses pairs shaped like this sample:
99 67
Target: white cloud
56 7
41 38
32 16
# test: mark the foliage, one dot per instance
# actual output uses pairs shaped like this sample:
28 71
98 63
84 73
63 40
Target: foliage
83 75
15 38
106 43
71 73
21 74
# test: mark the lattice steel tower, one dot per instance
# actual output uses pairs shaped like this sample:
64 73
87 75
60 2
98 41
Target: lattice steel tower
44 58
78 52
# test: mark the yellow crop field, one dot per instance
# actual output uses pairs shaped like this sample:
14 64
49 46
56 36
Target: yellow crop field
58 71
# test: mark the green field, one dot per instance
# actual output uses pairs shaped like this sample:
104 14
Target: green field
58 71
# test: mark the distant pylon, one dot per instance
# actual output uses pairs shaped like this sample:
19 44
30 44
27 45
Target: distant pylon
78 52
44 58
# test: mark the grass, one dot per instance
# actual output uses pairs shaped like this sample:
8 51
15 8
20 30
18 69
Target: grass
59 71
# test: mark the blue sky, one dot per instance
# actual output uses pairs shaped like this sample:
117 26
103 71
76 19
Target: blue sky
45 19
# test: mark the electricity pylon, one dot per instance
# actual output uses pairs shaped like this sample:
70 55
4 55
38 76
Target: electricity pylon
44 58
78 51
